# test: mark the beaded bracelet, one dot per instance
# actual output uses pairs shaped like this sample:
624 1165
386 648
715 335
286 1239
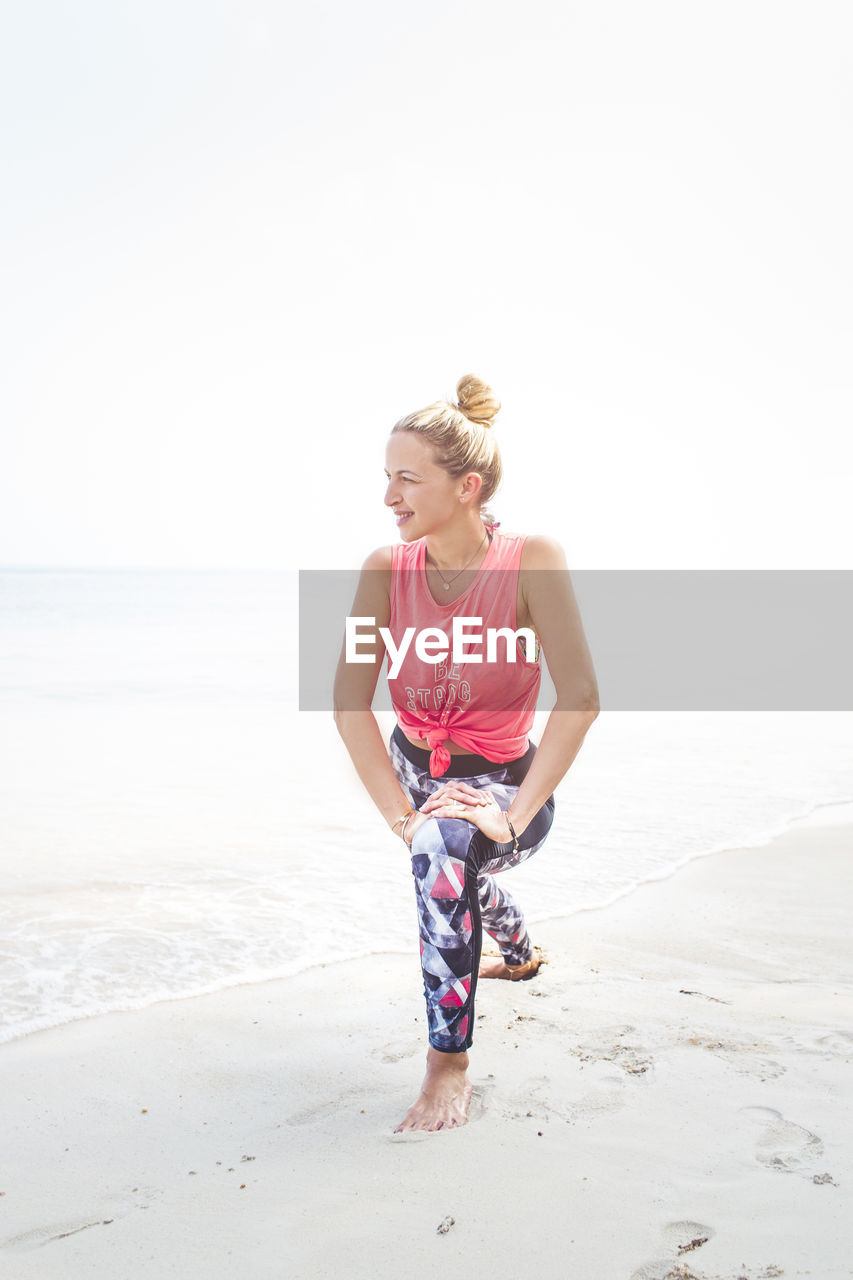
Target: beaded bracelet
512 830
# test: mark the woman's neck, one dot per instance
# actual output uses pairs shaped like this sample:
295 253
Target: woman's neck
455 549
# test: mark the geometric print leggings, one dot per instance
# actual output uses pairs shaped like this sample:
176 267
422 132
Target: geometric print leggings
453 865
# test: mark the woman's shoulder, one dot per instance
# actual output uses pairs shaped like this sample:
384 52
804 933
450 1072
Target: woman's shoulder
380 558
540 551
402 555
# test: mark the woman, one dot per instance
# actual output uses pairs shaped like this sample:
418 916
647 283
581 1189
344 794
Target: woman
461 783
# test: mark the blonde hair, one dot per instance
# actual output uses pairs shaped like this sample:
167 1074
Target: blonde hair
461 435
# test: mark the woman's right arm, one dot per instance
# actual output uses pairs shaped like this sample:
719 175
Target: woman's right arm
355 685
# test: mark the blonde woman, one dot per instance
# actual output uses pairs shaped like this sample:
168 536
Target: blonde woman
461 782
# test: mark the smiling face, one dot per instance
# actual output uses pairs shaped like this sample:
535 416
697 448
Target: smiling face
419 491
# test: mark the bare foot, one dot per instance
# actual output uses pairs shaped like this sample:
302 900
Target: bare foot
492 967
496 967
444 1097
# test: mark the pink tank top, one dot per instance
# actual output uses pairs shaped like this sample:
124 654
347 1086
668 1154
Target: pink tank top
486 707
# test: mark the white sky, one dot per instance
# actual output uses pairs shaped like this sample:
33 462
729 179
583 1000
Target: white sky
242 239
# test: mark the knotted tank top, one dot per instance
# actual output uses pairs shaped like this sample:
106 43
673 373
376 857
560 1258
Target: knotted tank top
485 707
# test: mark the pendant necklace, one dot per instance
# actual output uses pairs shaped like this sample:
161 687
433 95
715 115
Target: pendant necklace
447 581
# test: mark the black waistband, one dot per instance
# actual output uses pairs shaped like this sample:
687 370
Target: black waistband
466 766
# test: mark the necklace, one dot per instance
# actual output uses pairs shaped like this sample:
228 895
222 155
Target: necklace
447 581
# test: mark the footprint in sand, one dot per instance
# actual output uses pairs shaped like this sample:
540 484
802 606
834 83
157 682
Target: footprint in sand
612 1047
535 1102
746 1058
608 1096
137 1197
395 1053
677 1239
544 1100
783 1145
58 1231
836 1044
538 1101
352 1098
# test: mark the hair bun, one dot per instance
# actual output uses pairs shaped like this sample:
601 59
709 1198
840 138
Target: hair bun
477 400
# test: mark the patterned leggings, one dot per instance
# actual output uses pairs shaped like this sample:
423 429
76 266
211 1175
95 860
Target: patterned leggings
453 865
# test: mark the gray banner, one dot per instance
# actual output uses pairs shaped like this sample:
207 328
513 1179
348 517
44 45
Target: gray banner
660 640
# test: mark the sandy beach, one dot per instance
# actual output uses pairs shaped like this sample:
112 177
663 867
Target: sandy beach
668 1098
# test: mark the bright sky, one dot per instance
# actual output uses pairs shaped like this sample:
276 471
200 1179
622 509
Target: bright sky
242 239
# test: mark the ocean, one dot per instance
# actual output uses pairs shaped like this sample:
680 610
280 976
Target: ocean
171 824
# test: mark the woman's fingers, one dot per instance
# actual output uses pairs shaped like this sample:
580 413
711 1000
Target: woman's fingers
458 792
490 821
448 802
476 794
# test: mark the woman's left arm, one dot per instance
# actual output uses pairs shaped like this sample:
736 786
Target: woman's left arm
554 615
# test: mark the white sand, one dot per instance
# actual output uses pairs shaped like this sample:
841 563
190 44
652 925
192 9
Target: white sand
679 1072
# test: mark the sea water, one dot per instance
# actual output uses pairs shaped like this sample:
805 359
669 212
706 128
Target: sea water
171 824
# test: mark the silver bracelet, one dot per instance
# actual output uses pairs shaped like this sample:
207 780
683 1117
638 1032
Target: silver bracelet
403 828
512 830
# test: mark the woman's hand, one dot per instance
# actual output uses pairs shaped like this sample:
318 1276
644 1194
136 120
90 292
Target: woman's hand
472 804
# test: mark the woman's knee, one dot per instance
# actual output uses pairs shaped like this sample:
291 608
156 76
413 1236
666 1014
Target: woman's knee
427 837
434 841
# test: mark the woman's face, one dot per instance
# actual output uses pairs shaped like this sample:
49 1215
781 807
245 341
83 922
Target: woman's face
421 493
